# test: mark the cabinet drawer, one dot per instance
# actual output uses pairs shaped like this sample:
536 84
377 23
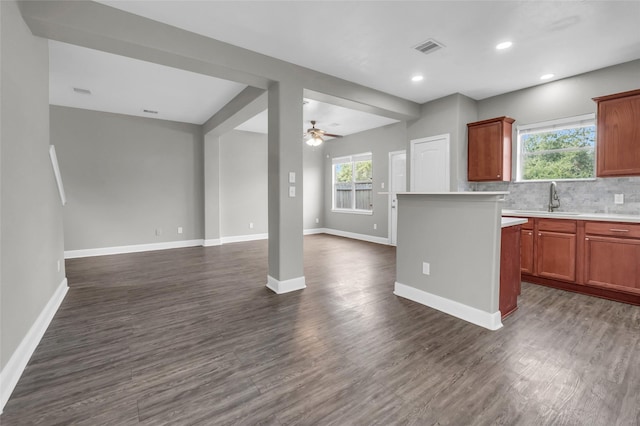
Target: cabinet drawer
557 225
613 229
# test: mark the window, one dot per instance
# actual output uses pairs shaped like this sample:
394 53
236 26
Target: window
352 184
559 149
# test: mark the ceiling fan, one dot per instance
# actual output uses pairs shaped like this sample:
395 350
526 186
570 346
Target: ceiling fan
315 135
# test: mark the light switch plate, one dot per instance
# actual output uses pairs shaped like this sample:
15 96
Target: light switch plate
292 177
292 191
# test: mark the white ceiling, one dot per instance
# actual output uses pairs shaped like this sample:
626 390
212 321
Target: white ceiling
368 42
129 86
330 118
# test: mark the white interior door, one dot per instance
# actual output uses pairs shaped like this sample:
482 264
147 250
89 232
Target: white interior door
430 164
397 183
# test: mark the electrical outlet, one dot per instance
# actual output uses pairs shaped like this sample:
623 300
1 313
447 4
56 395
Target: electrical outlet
250 225
158 232
381 185
292 191
179 229
375 226
58 265
618 199
317 220
426 268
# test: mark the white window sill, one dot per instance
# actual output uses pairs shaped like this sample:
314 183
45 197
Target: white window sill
364 212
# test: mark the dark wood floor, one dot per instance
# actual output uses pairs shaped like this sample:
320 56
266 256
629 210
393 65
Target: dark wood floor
192 336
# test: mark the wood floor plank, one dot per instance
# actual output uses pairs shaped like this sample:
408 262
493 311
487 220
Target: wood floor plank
192 336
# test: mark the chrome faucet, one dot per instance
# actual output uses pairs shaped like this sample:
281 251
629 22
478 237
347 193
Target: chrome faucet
553 196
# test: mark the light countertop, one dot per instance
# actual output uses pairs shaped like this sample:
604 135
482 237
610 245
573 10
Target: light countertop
573 215
512 221
461 193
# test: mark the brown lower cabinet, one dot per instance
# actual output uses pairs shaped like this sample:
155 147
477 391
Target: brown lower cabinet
526 248
509 270
591 257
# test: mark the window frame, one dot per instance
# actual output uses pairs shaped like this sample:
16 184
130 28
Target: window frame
578 121
352 159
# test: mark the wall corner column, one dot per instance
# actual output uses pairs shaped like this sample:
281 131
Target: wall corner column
285 155
211 190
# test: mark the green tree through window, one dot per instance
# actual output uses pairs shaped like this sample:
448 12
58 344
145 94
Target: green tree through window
352 182
567 152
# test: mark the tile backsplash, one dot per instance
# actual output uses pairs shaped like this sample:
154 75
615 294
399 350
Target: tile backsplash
575 196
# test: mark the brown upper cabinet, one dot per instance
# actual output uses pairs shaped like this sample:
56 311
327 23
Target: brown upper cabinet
489 157
618 145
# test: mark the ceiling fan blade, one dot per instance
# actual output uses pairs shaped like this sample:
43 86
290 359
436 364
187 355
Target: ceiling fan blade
332 135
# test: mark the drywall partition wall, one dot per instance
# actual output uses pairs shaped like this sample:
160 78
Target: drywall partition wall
211 189
313 185
562 98
448 253
379 142
446 115
558 99
243 184
31 228
129 180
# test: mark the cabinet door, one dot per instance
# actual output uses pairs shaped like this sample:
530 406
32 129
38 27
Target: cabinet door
485 152
556 255
509 270
619 135
613 263
526 251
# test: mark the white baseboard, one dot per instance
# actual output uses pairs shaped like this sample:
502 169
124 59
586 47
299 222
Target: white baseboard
355 236
136 248
12 371
103 251
313 231
451 307
242 238
280 287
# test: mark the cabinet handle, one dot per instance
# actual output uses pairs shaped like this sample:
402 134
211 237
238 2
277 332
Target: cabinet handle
586 239
539 235
618 230
498 176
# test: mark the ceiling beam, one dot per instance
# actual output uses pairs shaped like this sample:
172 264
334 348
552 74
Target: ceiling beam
105 28
245 105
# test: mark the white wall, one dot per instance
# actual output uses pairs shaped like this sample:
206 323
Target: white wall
125 177
558 99
379 142
31 211
243 184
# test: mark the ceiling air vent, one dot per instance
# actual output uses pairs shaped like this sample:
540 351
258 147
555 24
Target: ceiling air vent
150 111
428 46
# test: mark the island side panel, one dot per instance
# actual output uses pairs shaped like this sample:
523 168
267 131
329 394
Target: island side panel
459 236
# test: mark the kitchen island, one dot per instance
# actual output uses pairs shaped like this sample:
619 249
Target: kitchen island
448 253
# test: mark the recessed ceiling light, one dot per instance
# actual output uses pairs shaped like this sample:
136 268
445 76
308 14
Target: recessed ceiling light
504 45
417 78
546 77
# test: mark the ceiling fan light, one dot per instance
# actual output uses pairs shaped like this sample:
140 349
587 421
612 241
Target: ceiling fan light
314 140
